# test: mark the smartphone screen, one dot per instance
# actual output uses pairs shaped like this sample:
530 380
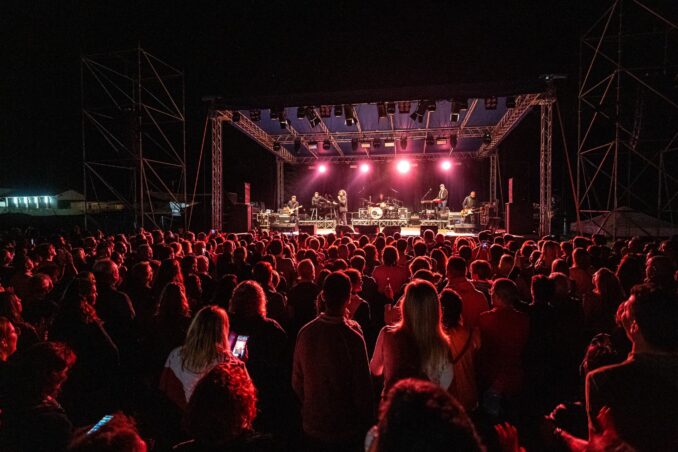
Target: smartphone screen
103 421
239 347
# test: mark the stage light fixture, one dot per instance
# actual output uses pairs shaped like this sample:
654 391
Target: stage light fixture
236 116
453 141
365 144
404 107
389 143
284 123
348 114
354 144
255 115
376 143
364 168
446 165
275 114
441 141
463 104
403 142
403 166
390 108
327 145
297 145
487 138
414 116
491 103
301 112
454 115
338 110
429 140
430 105
381 110
276 146
322 168
313 145
511 102
325 111
312 117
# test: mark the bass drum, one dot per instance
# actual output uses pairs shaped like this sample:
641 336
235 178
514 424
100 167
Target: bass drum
376 213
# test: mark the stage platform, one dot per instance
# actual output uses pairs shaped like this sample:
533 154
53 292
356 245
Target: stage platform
406 231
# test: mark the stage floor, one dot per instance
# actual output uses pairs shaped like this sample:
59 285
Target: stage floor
412 231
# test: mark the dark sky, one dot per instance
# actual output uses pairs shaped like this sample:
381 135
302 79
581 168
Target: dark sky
263 47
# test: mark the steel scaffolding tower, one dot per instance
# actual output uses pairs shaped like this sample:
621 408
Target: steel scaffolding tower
628 114
133 134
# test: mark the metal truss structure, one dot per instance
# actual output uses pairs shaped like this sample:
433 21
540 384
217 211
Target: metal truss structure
133 134
275 143
628 114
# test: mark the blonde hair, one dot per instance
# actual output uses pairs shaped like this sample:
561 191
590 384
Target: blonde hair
206 340
248 300
422 321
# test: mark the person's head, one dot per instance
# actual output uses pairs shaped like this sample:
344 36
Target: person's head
141 275
306 270
504 293
223 405
560 266
660 271
420 415
119 434
456 267
505 266
248 300
358 262
106 272
40 372
207 338
543 289
442 186
481 270
473 194
316 194
419 249
336 293
40 286
451 304
600 352
561 285
607 286
421 318
356 279
10 306
390 256
263 274
650 319
581 258
173 302
429 236
275 247
293 198
8 338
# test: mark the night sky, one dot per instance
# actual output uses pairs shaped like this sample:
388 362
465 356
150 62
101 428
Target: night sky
270 47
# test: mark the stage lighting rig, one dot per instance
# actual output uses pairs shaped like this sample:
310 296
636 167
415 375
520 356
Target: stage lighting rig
441 141
255 115
301 112
390 108
463 104
453 141
313 145
348 114
487 138
418 114
327 145
365 144
276 146
404 107
297 145
455 108
430 105
491 103
429 140
338 110
354 144
389 143
376 143
403 142
381 110
325 111
312 117
236 116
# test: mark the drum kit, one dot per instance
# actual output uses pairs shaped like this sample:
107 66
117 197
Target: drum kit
386 208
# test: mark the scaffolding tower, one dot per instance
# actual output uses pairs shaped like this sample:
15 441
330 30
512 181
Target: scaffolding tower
628 114
133 135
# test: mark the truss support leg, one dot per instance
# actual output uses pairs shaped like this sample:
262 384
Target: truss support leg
493 177
545 168
279 182
217 175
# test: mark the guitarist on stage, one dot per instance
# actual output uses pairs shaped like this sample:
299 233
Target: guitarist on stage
293 207
469 207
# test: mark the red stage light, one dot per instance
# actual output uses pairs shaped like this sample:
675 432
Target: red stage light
364 168
322 169
446 165
403 166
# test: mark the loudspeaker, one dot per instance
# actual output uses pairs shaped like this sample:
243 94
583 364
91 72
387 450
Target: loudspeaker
390 230
367 229
310 229
344 229
424 228
240 218
519 218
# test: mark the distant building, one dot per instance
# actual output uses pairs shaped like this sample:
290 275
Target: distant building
69 202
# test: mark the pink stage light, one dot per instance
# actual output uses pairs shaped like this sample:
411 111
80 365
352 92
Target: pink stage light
403 166
364 168
446 165
322 169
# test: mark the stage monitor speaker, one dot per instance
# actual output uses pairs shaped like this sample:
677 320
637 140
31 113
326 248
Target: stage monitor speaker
344 229
310 229
390 230
367 229
239 218
519 218
424 228
287 228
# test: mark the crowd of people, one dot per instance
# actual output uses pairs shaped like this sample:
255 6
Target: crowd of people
161 340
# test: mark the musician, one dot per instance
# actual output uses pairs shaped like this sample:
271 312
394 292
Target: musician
442 196
316 200
342 199
470 204
293 207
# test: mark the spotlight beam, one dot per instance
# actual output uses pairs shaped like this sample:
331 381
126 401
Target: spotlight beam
329 135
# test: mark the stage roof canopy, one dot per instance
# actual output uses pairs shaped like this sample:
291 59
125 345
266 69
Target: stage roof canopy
433 122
